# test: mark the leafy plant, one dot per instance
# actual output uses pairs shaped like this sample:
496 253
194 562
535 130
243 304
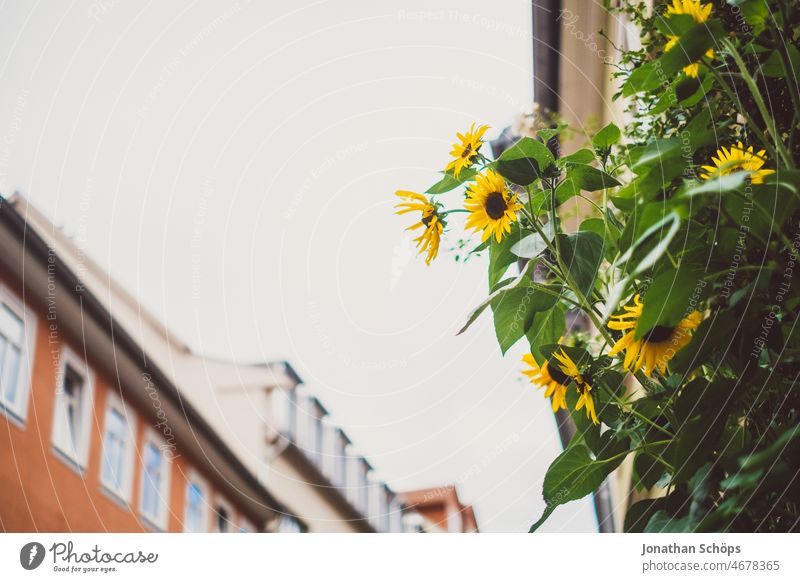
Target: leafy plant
687 271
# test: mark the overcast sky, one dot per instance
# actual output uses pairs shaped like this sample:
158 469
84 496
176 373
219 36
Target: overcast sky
234 164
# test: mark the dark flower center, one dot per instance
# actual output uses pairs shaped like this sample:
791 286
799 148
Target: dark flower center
495 205
467 151
659 333
426 220
556 374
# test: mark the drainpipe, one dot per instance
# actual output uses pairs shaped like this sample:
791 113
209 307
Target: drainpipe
546 82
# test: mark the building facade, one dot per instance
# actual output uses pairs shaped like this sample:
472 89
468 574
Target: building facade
93 436
110 423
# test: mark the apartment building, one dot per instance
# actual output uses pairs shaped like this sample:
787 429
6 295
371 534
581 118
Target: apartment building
179 441
94 436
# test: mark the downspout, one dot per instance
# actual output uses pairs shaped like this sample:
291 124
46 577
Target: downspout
546 84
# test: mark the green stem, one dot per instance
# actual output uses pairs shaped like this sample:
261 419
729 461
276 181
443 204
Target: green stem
635 450
638 415
735 99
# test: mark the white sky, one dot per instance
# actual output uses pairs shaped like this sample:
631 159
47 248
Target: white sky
234 165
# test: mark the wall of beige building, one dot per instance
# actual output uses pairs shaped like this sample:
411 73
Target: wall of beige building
586 91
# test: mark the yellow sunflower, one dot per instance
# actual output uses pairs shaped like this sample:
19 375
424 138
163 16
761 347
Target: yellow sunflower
492 207
465 151
430 221
583 383
551 378
700 13
657 346
738 158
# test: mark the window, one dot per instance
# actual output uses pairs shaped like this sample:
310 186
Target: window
16 355
223 518
116 473
284 412
357 487
196 518
73 409
334 442
378 509
155 482
310 437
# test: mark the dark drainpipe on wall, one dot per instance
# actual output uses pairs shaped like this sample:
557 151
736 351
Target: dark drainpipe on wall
546 82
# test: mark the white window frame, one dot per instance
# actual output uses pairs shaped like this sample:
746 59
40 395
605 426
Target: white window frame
18 410
125 489
79 454
161 519
220 501
195 479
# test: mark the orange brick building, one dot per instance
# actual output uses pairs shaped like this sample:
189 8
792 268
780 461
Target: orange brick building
94 436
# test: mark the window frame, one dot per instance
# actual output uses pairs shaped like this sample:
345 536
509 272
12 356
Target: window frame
18 410
125 490
193 478
160 521
79 455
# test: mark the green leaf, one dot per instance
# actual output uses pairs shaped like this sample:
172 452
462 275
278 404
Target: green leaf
662 522
683 92
773 66
701 412
533 245
671 224
638 516
545 329
648 469
595 225
690 48
667 300
589 178
705 340
674 24
582 156
450 182
522 279
525 161
514 312
640 513
582 253
606 137
566 190
576 473
726 183
642 158
768 455
754 12
501 256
